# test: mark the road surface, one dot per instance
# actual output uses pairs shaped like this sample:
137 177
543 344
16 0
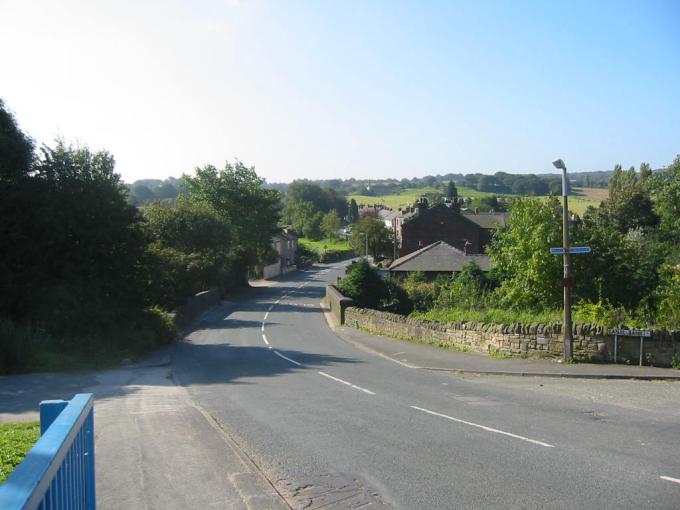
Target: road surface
334 426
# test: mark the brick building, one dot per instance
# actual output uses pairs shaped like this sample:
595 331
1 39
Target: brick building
421 226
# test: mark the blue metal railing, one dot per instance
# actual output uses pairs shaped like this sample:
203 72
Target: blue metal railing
58 472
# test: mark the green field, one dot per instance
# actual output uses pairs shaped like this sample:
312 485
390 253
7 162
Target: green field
577 204
325 244
16 439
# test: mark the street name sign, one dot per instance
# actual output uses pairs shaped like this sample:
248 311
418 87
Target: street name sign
573 249
630 332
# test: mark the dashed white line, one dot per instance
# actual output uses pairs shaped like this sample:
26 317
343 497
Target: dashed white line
286 358
266 315
669 479
270 308
262 327
265 339
397 353
347 383
484 427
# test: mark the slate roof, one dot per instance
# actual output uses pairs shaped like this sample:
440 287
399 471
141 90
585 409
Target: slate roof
487 219
440 257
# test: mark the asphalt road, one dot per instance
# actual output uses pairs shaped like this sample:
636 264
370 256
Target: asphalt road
334 426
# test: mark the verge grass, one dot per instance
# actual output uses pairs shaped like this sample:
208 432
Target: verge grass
491 315
16 439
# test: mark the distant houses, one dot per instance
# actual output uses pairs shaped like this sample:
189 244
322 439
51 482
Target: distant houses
286 245
420 226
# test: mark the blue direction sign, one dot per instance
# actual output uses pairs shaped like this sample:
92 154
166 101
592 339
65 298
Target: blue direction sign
573 249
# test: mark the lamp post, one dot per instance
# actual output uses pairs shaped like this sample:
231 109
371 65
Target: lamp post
567 281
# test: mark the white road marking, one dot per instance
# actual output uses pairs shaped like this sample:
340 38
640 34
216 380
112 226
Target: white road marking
347 383
265 339
397 353
484 427
668 478
262 328
270 308
265 316
287 358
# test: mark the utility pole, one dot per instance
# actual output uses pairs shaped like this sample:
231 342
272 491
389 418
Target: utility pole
567 281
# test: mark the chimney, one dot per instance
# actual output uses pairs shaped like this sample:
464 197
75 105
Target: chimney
422 205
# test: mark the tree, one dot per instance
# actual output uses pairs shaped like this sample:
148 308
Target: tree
451 191
16 148
520 252
380 240
330 224
238 195
363 284
141 194
353 213
72 257
629 205
666 187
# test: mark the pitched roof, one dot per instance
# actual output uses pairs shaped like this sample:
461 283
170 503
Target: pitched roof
487 219
440 257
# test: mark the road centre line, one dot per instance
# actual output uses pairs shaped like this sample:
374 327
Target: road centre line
286 358
669 479
484 427
347 383
265 339
265 316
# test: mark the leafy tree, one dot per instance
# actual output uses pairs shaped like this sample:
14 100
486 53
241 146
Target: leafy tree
451 191
16 148
312 226
488 203
666 187
363 284
238 195
165 191
380 240
330 224
72 256
189 227
353 214
530 275
629 205
141 194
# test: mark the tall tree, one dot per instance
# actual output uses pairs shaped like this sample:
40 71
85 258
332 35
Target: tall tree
451 191
238 195
330 224
353 213
16 148
521 254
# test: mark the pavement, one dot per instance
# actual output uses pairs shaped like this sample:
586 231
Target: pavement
416 355
156 448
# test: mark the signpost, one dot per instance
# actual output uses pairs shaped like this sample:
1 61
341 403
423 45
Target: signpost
629 332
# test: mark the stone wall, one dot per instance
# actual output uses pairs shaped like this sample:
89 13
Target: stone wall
529 339
337 303
195 305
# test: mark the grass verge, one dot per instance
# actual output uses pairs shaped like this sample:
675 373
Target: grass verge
491 315
16 439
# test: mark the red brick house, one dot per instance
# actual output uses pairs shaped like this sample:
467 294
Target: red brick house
468 232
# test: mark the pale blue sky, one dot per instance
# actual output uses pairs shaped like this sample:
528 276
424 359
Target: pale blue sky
326 89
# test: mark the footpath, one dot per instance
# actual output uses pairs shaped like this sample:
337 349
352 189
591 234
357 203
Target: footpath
155 447
415 355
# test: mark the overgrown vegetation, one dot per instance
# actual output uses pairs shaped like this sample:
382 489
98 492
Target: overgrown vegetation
16 439
88 279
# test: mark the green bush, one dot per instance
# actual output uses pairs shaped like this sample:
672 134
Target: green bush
363 284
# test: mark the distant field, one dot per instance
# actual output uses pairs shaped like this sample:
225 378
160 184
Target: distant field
578 202
410 195
325 244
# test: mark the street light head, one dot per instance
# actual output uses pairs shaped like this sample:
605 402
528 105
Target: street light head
558 163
